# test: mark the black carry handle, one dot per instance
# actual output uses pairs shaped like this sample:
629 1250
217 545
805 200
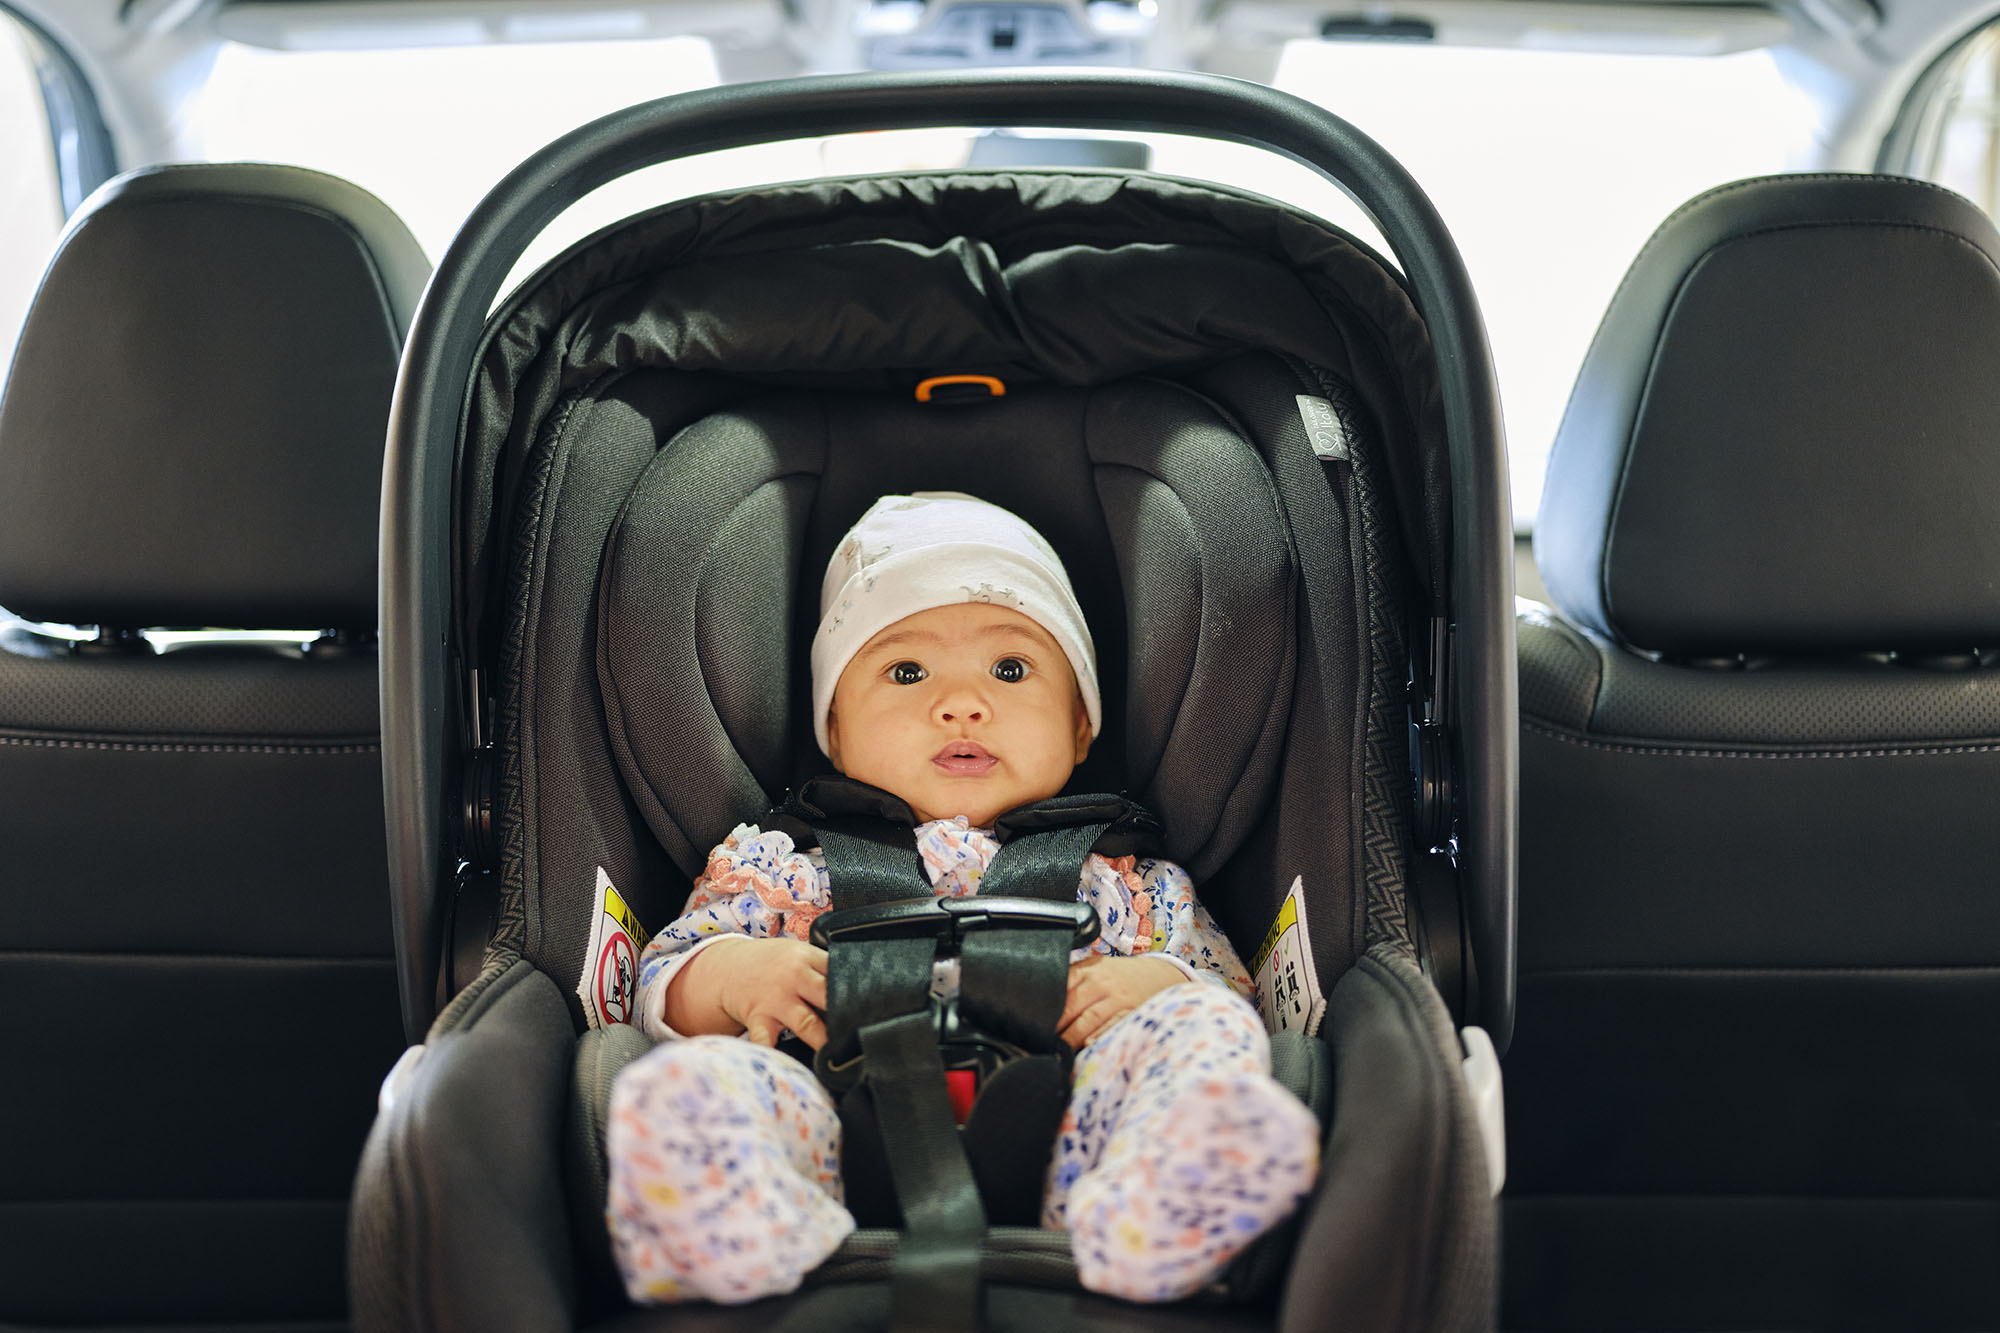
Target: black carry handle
422 711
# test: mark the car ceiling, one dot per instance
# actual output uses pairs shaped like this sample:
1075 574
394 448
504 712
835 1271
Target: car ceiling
1856 58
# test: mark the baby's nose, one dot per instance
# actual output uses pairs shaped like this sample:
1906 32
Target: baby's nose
957 703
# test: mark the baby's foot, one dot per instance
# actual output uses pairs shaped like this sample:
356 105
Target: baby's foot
719 1173
1156 1219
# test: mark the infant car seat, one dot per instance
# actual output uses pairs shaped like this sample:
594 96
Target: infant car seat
1230 422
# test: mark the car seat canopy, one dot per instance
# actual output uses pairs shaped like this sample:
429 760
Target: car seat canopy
881 282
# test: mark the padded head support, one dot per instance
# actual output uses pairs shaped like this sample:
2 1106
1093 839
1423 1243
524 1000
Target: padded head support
1737 471
1164 516
192 431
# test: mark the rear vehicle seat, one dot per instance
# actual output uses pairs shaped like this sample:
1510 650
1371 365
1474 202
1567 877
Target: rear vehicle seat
197 988
1753 1083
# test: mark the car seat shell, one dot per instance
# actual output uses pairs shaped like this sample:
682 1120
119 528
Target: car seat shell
537 393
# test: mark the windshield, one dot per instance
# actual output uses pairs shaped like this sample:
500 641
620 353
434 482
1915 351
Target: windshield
1549 167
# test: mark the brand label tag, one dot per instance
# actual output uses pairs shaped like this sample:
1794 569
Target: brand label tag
1325 429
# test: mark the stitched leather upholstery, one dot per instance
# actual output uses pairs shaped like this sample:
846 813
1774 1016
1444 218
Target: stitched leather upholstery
1759 952
178 443
196 970
1780 440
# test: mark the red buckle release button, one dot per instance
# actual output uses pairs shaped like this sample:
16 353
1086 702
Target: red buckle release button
961 1085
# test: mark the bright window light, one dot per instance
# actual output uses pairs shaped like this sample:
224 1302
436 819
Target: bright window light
30 202
437 127
1550 168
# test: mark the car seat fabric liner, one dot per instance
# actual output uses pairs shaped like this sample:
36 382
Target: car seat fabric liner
986 319
686 412
670 317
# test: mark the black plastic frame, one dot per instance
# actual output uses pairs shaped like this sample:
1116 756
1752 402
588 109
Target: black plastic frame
421 726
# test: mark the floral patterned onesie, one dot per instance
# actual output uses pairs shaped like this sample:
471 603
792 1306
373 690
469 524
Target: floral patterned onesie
1177 1149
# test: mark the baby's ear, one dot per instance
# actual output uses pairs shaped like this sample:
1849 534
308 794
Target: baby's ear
1082 730
833 737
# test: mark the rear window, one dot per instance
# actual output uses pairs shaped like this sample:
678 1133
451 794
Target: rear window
1958 129
30 203
1550 166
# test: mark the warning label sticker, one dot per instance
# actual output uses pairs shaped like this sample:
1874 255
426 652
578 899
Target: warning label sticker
609 987
1288 995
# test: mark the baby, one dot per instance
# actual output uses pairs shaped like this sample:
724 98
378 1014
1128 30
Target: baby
952 668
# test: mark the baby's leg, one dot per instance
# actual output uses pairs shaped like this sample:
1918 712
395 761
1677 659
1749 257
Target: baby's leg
725 1172
1178 1148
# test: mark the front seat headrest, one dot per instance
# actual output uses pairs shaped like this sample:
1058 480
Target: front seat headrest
1783 437
192 430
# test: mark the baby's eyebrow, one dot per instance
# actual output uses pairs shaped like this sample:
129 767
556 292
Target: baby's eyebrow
900 637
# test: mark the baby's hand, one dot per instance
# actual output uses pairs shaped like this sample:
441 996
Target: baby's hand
1103 989
731 988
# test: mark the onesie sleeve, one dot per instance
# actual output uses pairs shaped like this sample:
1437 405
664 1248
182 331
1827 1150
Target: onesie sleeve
1146 906
757 884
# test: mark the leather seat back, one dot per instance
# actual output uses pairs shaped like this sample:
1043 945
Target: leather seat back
196 969
1759 946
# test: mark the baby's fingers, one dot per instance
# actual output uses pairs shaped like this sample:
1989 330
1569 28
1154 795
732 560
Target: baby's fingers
1080 997
1081 1030
1085 991
807 1026
762 1029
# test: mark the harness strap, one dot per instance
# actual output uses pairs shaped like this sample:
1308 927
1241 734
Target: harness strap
864 833
1013 984
882 1054
1041 863
935 1281
885 980
869 861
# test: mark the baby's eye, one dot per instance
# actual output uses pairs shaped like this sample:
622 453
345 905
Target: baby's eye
1012 670
907 673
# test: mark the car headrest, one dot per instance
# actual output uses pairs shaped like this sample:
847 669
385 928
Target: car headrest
192 430
1782 439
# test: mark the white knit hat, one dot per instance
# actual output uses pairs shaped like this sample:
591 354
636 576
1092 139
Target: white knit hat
910 553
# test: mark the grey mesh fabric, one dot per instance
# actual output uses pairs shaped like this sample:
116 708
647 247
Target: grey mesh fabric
1082 464
673 424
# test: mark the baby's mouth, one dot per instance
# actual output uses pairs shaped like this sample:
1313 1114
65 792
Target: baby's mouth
965 759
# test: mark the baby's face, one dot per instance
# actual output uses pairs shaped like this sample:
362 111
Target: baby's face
960 710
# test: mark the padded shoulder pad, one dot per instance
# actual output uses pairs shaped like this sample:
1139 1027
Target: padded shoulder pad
695 658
